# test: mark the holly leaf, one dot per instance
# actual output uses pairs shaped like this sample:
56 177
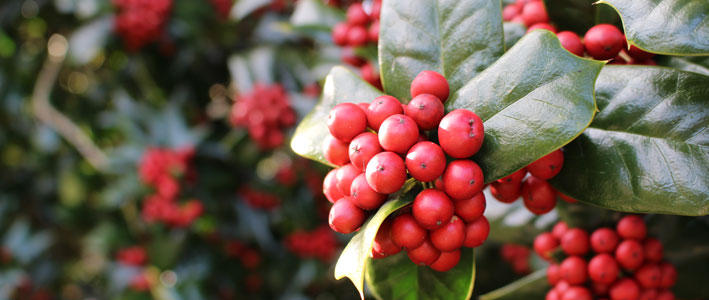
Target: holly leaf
396 277
648 148
341 85
455 38
352 261
672 27
513 32
533 100
532 286
696 64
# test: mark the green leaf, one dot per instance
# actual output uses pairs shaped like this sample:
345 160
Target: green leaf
513 32
696 64
648 148
532 286
315 14
533 100
579 15
352 261
673 27
458 39
341 85
396 277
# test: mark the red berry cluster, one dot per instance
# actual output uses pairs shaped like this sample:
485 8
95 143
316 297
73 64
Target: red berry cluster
603 41
360 29
374 164
162 169
319 243
132 256
140 22
517 256
620 264
538 195
249 257
266 113
259 199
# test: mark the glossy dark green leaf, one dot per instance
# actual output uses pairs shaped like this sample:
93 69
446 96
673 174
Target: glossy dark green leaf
352 261
696 64
533 100
397 278
579 15
647 150
674 27
341 85
455 38
513 32
532 286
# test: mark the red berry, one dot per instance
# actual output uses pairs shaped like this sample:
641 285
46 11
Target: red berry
638 54
665 295
339 33
600 289
629 254
538 195
559 230
548 166
653 250
373 32
363 105
511 11
571 42
476 232
603 41
432 209
649 276
346 120
534 12
383 244
345 217
546 26
446 261
624 289
362 148
577 293
553 274
669 275
566 198
398 133
370 74
562 286
603 268
335 151
632 227
509 188
573 270
386 172
552 295
376 9
470 209
450 236
545 244
604 240
345 175
381 108
425 254
406 232
357 36
426 110
461 133
356 15
462 179
575 242
425 161
349 56
430 82
363 195
329 186
648 294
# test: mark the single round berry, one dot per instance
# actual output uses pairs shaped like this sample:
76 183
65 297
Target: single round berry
373 32
577 293
538 195
511 11
430 82
446 261
363 195
425 161
603 268
562 286
603 41
335 151
462 179
476 232
363 105
370 74
357 36
362 148
545 26
649 276
383 244
345 217
653 250
345 175
624 289
534 12
470 209
669 275
450 236
575 242
426 110
630 254
552 295
398 133
573 270
638 54
571 42
329 187
648 294
339 33
632 227
386 172
381 108
356 15
461 133
346 120
604 240
545 244
509 188
548 166
425 254
559 230
553 274
432 209
406 232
